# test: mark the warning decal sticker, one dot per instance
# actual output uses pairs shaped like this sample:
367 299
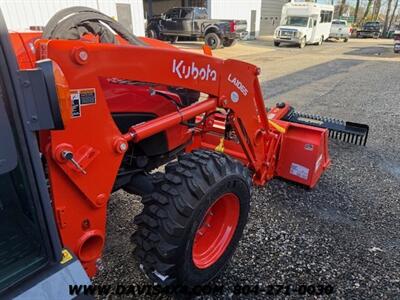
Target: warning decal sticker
76 104
299 171
88 96
81 98
66 256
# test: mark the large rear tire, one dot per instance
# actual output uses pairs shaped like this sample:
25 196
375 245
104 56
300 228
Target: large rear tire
73 22
192 222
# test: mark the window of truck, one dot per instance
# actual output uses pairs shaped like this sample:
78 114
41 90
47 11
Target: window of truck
172 13
326 16
186 13
297 21
339 22
200 13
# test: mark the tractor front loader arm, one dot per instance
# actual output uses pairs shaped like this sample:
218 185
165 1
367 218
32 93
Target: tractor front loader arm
84 158
238 92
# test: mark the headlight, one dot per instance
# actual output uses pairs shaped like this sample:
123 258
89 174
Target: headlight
297 34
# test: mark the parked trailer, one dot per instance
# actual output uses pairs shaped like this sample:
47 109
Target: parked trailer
304 23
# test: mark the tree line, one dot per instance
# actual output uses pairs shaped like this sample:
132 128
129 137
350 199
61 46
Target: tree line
372 12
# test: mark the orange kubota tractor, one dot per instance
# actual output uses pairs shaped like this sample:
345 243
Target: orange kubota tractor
105 109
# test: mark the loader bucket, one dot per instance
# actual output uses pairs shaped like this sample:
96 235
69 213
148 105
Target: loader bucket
349 132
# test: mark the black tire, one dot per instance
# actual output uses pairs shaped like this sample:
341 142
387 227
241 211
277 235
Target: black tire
212 40
302 43
229 43
376 36
173 39
276 44
346 40
151 33
71 23
172 214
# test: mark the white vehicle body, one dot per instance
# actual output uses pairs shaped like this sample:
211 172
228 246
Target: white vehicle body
304 23
340 30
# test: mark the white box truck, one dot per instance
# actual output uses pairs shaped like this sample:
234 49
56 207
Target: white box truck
304 23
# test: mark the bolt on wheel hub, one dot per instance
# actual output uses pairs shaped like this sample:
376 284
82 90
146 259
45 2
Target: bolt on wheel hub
216 231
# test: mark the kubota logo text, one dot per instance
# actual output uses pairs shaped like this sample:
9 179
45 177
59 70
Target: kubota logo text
192 71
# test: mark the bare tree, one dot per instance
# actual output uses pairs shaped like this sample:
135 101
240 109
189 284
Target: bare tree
367 10
376 9
385 26
341 7
393 13
356 11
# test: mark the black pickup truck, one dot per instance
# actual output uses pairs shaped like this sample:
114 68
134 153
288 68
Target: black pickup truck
193 22
370 29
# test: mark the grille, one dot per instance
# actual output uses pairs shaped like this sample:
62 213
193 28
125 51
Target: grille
286 33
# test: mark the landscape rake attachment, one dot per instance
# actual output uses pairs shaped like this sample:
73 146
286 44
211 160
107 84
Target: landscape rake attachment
349 132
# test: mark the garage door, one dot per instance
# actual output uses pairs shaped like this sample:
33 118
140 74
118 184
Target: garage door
270 15
124 15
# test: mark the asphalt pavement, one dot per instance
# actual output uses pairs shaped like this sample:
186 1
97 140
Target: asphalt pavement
345 233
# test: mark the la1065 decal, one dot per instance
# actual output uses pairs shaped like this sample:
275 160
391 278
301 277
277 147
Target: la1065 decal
185 71
236 82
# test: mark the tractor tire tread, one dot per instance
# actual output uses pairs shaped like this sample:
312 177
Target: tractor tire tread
167 211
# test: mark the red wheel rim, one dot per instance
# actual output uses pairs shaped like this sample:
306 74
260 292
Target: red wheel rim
215 231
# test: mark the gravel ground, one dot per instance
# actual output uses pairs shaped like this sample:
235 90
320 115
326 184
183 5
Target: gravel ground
345 232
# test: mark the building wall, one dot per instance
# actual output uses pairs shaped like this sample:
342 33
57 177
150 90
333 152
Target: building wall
20 14
161 6
236 9
270 15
